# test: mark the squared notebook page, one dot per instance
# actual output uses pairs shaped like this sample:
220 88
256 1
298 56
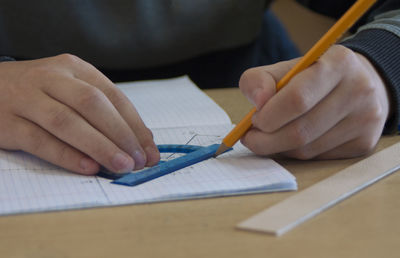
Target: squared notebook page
176 102
28 184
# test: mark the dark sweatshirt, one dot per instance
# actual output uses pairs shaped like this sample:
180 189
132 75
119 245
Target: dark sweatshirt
149 36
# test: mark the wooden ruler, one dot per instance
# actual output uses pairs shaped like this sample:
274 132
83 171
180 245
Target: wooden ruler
304 205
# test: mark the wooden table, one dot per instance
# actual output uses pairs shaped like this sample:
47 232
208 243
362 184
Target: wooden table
365 225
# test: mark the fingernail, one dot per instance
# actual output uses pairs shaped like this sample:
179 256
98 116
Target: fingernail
140 159
152 154
88 165
122 163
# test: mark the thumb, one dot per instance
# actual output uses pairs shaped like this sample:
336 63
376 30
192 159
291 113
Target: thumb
259 84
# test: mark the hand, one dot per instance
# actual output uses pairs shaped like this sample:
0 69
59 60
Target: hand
65 111
336 108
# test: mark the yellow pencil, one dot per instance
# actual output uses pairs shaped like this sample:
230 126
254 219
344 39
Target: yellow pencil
330 37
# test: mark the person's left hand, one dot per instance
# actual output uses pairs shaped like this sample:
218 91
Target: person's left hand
336 108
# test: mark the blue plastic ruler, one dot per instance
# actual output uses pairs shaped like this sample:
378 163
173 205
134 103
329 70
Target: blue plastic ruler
194 155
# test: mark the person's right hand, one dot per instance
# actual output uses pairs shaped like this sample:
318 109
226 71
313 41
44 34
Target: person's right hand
63 110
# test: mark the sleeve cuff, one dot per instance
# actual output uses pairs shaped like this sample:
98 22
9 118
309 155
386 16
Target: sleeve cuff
6 58
381 47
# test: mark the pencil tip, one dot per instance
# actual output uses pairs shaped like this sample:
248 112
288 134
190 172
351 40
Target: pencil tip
221 149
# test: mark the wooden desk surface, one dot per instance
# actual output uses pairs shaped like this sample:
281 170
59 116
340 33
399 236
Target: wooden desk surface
365 225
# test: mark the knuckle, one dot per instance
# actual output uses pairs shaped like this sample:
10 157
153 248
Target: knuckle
344 56
363 86
69 58
60 118
344 53
320 67
90 97
151 135
115 96
299 101
299 135
35 141
340 58
144 136
375 115
147 137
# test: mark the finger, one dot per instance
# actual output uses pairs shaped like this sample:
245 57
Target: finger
135 122
345 131
259 84
304 90
305 129
96 108
348 139
65 124
351 149
125 108
33 139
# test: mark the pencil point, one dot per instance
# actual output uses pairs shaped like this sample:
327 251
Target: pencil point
222 148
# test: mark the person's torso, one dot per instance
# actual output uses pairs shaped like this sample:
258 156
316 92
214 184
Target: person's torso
127 34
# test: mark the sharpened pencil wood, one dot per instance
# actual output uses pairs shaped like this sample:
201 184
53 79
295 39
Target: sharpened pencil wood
221 149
